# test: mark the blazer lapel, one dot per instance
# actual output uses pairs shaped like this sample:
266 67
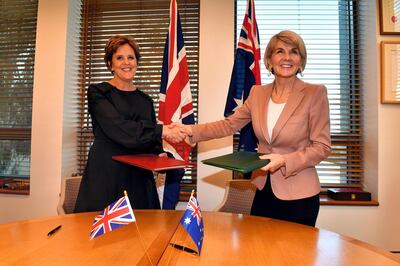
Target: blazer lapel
263 108
291 105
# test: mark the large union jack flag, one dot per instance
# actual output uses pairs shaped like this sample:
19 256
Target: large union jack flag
175 94
245 73
115 215
192 221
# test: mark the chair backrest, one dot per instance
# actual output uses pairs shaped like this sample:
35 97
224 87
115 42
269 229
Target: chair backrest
239 195
69 193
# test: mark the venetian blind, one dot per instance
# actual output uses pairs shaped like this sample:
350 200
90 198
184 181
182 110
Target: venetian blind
17 53
333 33
147 21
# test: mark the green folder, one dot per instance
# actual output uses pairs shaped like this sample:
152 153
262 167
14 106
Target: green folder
242 161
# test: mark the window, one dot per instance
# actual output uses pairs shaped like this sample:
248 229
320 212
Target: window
17 54
147 21
331 30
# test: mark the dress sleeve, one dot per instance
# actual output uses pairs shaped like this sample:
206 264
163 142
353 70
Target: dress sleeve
133 134
320 142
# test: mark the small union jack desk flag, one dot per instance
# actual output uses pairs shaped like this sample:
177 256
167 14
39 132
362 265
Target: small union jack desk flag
117 214
192 221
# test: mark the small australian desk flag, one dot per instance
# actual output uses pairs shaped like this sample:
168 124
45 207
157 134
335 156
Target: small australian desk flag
192 221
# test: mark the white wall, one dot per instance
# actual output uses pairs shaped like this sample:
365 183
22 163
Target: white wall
47 117
215 67
376 225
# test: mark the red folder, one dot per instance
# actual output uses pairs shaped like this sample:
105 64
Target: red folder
152 162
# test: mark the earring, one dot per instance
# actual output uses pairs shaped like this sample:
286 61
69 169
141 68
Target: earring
300 71
270 70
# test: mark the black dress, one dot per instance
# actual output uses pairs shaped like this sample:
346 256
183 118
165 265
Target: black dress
123 123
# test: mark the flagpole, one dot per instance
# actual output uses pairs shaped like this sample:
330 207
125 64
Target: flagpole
183 246
140 237
184 241
178 232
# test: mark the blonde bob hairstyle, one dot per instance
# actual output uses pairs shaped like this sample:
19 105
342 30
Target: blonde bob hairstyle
288 37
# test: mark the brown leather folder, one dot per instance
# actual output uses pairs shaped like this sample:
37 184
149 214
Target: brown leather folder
348 194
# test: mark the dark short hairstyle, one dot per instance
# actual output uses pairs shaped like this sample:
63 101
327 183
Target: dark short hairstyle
114 43
288 37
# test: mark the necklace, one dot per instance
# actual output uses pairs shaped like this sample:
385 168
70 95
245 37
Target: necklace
281 97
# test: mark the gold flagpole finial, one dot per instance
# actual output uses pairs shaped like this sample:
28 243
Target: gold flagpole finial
125 193
191 195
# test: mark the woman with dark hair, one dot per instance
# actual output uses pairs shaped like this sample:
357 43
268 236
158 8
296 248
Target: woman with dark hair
124 122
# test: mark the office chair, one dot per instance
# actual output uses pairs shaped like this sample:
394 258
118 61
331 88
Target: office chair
69 193
239 195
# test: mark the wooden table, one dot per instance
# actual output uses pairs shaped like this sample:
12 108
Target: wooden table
230 239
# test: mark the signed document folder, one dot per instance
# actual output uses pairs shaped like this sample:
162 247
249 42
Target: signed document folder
152 162
242 161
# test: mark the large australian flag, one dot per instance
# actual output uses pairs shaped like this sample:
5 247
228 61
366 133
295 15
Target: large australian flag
245 74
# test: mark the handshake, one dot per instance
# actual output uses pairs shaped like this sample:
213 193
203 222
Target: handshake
176 133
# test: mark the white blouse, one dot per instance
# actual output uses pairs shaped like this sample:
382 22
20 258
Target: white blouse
274 111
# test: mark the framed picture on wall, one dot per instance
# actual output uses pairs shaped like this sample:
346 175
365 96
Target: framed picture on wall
389 16
390 72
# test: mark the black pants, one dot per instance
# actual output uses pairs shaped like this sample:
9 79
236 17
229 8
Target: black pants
302 211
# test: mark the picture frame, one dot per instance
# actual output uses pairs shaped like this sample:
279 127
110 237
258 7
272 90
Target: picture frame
390 72
389 17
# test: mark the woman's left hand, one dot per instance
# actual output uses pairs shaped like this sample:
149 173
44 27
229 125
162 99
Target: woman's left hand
163 154
276 162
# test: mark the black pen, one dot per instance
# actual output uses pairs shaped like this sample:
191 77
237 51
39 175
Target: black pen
52 232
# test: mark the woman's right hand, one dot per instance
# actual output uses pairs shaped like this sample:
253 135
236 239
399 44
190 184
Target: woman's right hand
174 133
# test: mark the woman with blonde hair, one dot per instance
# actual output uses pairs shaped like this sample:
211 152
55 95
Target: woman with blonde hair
290 118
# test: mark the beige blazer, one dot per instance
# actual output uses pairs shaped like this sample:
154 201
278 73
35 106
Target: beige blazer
301 135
